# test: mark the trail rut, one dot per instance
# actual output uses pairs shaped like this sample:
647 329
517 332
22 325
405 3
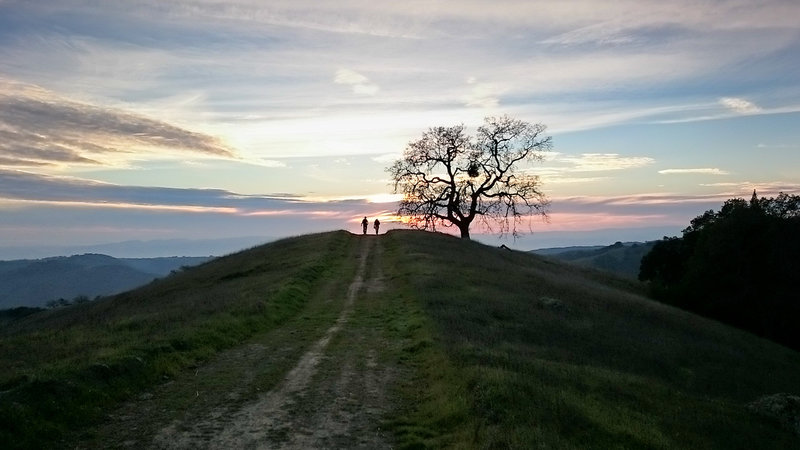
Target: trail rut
322 402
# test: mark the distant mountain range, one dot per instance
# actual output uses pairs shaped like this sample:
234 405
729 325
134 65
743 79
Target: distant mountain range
622 258
34 282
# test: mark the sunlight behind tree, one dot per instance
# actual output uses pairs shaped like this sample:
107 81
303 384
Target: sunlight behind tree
448 178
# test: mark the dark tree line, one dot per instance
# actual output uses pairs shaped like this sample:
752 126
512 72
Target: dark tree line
739 265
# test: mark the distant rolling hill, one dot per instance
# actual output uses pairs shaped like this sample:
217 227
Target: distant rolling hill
35 282
621 258
466 345
138 249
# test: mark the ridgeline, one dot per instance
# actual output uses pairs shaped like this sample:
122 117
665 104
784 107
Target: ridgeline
404 340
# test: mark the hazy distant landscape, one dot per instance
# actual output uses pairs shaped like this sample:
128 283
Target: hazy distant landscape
621 258
34 283
156 248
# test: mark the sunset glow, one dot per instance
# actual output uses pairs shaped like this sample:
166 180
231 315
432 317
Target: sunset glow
187 120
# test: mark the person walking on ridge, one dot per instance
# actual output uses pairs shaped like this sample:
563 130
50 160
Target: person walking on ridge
377 225
364 224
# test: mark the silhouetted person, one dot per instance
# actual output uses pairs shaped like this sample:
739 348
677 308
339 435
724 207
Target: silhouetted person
377 225
364 224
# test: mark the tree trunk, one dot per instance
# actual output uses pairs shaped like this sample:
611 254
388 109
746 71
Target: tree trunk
464 231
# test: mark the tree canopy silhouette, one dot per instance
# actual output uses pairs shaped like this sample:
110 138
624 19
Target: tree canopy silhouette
737 265
448 178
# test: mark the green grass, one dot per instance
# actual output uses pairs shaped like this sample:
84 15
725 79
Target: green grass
518 351
486 349
64 368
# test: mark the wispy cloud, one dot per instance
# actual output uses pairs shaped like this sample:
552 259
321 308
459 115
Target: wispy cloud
764 188
482 95
276 59
387 158
397 19
30 188
79 210
269 163
777 146
740 105
598 34
596 162
358 82
247 86
702 170
628 211
557 179
38 128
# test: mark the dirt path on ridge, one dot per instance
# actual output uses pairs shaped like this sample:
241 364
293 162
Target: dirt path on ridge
324 401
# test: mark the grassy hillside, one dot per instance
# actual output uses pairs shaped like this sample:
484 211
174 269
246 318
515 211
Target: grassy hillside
64 368
524 352
497 349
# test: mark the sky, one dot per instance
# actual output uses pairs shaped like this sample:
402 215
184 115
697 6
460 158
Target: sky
204 119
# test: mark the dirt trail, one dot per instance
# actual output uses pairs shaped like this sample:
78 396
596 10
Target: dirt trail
323 402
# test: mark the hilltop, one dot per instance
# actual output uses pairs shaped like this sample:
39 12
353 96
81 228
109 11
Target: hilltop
408 339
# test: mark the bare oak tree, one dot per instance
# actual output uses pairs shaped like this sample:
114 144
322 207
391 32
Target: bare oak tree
448 178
